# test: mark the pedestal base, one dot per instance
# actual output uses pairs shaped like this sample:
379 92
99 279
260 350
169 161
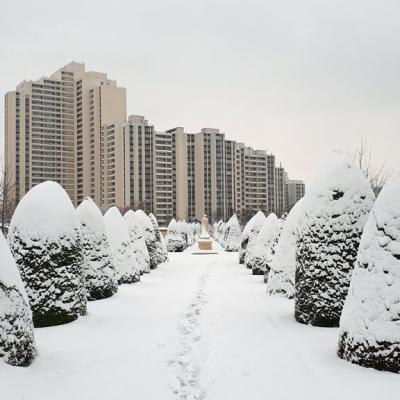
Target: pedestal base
204 247
205 244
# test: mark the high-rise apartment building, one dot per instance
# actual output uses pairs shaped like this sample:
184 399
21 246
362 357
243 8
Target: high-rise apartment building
53 129
295 191
72 128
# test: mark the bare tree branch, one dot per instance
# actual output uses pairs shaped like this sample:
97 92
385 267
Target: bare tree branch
377 175
7 197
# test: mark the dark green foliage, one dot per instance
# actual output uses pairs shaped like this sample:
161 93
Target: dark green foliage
16 328
52 273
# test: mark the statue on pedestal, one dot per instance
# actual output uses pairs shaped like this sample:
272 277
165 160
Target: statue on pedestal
204 242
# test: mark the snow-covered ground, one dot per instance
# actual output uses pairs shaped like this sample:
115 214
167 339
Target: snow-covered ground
198 327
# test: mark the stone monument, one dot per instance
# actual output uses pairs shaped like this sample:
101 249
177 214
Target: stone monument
205 242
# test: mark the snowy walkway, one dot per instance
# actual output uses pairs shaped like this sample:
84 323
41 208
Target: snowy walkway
199 327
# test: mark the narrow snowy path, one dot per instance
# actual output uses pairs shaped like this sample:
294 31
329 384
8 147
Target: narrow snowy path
199 327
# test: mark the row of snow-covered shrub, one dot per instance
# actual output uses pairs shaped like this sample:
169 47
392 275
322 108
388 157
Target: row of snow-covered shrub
228 233
181 235
59 257
338 256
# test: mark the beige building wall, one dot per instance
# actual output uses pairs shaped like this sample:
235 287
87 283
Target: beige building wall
10 146
58 129
163 185
115 182
199 175
181 168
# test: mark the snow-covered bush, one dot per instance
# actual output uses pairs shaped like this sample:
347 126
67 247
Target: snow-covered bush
174 239
160 254
183 231
138 243
249 234
336 209
190 236
232 239
197 230
149 237
272 248
215 230
369 333
121 247
99 270
17 342
257 255
45 240
164 247
283 265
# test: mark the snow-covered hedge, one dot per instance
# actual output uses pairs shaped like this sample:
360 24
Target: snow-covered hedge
149 237
369 333
336 210
174 239
272 248
160 254
138 243
100 275
283 265
249 233
17 342
45 240
258 255
233 235
121 247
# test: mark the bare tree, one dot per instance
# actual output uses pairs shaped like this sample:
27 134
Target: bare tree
377 174
7 197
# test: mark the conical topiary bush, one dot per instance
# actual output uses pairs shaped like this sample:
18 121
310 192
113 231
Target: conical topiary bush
257 255
45 240
160 253
121 247
173 238
232 240
149 237
249 234
100 274
369 333
139 245
17 342
335 211
283 266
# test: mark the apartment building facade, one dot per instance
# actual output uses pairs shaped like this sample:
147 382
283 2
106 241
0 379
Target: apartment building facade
72 127
296 189
53 130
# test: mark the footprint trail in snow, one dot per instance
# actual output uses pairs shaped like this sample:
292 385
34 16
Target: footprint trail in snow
185 369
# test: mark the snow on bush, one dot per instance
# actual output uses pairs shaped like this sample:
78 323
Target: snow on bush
17 342
121 247
160 254
283 265
190 233
183 231
215 229
369 333
249 234
174 239
257 255
99 270
149 237
232 239
336 210
138 243
45 240
272 248
220 233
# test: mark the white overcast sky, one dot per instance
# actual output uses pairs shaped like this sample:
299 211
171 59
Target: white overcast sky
299 78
